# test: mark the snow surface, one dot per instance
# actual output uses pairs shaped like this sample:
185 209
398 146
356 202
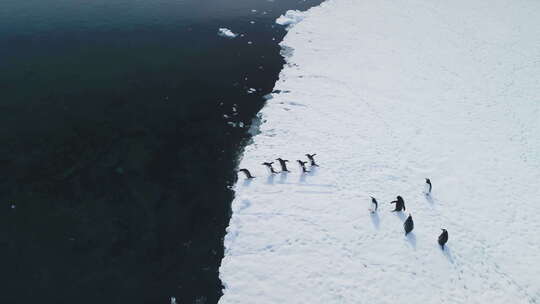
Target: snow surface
227 33
388 93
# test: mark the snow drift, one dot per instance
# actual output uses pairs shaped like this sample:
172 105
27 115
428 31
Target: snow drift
388 93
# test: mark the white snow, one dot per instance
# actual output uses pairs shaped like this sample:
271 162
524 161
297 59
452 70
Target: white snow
227 33
388 93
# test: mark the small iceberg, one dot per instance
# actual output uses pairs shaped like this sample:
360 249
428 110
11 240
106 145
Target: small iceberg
227 33
290 18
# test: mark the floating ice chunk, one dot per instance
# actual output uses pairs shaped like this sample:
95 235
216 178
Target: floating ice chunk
227 33
290 18
251 90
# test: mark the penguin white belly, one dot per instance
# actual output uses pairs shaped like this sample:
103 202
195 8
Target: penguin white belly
426 188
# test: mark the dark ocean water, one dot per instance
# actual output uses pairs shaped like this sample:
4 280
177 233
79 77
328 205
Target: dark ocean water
116 159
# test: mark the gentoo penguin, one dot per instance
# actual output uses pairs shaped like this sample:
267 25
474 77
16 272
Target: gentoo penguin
247 173
375 204
269 166
443 238
428 186
303 166
408 225
311 159
400 204
283 163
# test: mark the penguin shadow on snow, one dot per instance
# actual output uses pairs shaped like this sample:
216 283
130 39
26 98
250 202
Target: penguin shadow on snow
399 214
244 206
302 178
247 182
429 198
375 219
411 238
313 170
270 179
447 253
282 177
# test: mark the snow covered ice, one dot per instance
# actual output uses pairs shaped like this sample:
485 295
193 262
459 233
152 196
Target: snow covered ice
388 93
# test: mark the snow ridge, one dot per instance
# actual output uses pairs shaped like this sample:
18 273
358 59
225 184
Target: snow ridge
388 93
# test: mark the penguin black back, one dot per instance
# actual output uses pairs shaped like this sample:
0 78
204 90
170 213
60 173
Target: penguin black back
408 225
269 166
374 202
443 238
247 173
302 165
400 204
428 186
283 163
311 159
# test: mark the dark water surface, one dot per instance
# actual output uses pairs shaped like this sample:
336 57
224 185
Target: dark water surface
115 155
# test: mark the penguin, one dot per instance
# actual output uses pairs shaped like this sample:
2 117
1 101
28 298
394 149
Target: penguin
428 186
311 159
269 166
408 225
375 203
302 165
247 173
400 204
283 163
443 238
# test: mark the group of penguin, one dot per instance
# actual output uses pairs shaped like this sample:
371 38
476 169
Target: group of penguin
408 225
283 164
